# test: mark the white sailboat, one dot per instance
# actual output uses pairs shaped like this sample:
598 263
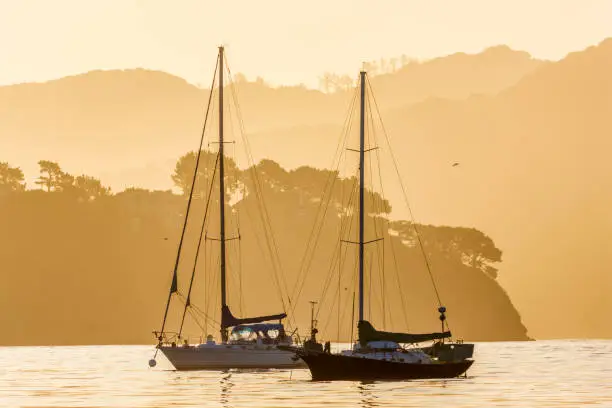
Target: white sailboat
253 342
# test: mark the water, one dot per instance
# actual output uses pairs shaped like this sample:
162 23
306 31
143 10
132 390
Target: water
517 374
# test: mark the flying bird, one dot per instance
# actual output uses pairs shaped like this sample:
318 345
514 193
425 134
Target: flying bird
455 164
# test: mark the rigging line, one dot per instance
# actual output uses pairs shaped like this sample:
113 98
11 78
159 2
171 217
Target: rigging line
241 304
275 274
271 241
195 319
352 286
248 151
238 183
207 278
203 313
327 191
370 290
353 316
331 308
338 251
234 277
216 292
268 233
324 330
339 299
397 278
259 196
242 307
425 257
377 204
261 249
393 254
173 288
377 303
197 254
320 218
211 289
345 230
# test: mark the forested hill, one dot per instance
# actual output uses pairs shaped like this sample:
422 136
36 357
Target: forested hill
532 140
81 265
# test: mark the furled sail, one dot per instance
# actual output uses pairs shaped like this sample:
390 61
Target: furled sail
367 333
229 320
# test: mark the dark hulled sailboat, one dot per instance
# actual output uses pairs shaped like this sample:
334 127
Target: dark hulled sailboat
378 354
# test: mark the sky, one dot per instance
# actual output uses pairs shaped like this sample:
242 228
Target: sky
285 42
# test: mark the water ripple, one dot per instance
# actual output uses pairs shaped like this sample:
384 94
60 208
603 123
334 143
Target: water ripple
517 374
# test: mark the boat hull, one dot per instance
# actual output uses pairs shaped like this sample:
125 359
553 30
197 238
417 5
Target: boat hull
330 367
220 357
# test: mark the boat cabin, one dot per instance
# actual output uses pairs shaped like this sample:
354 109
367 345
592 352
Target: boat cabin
260 333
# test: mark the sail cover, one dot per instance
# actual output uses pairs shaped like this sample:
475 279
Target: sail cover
367 333
229 320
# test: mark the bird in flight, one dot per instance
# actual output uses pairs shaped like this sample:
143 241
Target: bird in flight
455 164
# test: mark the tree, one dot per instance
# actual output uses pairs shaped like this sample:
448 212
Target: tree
50 174
393 63
469 246
325 82
11 178
91 187
185 166
345 83
240 78
64 182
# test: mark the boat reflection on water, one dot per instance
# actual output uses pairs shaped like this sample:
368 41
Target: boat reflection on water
226 386
367 397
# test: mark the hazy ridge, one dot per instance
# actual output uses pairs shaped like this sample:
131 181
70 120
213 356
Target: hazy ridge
532 139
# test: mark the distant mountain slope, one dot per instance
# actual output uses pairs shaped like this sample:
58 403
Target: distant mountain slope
456 76
135 118
533 174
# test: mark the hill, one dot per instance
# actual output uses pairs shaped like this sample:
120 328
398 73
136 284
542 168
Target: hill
533 173
532 146
81 266
141 120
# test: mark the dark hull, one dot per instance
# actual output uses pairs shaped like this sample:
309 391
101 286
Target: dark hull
329 367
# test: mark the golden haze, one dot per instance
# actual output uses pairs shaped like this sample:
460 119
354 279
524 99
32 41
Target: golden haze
532 139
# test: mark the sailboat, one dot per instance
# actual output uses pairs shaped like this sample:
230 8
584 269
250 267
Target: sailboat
252 342
377 355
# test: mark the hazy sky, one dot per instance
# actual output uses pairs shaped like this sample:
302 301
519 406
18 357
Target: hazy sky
286 42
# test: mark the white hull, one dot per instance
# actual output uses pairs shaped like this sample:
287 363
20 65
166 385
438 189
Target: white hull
221 356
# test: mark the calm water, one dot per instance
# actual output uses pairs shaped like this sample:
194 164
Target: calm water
522 374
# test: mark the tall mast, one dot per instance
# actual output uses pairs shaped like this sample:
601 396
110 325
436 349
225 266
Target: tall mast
362 76
222 190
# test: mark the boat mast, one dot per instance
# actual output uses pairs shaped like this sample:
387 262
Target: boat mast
362 76
222 192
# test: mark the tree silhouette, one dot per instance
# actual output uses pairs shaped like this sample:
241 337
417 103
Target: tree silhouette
185 166
47 224
469 246
50 174
64 182
11 178
91 187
